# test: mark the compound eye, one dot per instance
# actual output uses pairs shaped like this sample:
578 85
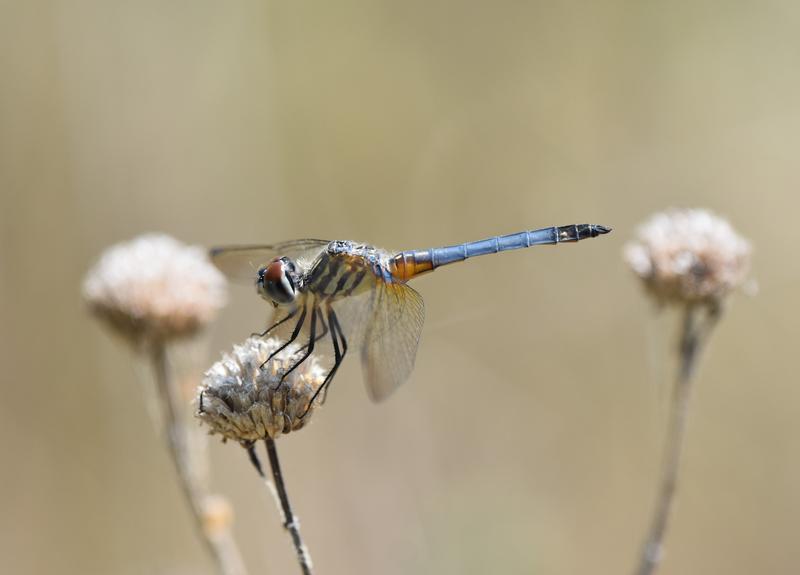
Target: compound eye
278 282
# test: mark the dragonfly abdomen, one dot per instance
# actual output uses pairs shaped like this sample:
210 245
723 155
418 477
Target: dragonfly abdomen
409 264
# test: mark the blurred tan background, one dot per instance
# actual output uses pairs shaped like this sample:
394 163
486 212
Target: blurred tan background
529 437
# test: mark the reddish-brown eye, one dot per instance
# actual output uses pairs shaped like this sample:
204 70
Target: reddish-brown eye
274 271
275 282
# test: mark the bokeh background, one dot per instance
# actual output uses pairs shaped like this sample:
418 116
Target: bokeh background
529 437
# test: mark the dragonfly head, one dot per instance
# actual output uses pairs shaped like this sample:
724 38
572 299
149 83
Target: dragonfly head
277 281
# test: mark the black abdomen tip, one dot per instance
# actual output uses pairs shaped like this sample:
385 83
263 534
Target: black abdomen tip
599 230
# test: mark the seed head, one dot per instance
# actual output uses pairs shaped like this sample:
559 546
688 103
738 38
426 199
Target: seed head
155 286
243 402
689 256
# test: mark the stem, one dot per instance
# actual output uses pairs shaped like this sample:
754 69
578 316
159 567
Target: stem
219 541
278 490
693 336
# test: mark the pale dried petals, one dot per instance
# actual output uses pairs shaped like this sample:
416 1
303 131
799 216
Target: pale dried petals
240 401
689 255
155 286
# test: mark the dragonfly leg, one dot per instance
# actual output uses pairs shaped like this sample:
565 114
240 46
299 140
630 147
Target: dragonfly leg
251 453
312 331
298 326
321 320
338 355
329 378
264 333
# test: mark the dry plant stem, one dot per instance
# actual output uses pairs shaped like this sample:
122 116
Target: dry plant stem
219 543
694 335
290 522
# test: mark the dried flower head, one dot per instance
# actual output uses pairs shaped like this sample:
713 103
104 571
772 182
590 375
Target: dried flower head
241 401
155 286
689 255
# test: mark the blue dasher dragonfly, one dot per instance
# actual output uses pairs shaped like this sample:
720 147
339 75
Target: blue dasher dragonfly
358 295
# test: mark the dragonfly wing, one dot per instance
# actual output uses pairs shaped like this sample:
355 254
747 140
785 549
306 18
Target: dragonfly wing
390 338
241 263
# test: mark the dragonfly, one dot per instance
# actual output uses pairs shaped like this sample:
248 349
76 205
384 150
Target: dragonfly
358 295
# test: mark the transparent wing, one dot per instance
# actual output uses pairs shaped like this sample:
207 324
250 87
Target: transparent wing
389 347
241 263
386 323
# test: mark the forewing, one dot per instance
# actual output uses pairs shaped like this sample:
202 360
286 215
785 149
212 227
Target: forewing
390 339
240 263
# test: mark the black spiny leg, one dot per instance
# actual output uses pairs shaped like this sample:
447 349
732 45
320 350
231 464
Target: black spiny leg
298 326
329 378
264 333
334 321
321 319
251 453
338 355
309 347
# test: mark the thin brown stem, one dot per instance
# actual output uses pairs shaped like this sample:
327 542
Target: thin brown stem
694 334
278 490
218 540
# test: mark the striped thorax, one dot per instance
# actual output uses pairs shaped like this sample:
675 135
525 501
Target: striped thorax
344 269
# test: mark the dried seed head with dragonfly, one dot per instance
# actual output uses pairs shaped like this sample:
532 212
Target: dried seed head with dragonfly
357 295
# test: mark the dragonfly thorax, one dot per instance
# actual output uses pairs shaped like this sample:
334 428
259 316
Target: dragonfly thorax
278 281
